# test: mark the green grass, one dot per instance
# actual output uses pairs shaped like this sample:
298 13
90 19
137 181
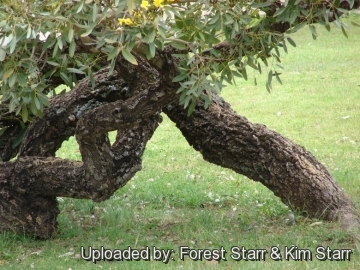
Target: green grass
178 199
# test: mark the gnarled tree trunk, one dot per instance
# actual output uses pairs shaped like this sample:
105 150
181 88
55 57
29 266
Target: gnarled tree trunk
229 140
130 101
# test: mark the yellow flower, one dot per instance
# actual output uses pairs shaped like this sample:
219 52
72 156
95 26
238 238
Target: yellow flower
158 3
145 4
138 15
126 21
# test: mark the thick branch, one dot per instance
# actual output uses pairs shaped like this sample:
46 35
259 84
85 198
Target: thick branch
90 115
49 176
129 106
292 173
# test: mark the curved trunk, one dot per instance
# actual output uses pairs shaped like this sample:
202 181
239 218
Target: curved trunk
30 184
229 140
130 101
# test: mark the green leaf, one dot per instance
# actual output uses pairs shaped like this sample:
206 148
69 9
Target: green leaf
254 22
55 52
33 109
12 45
72 48
268 87
110 41
37 103
186 101
81 6
88 30
297 27
2 54
180 77
268 83
151 36
337 24
112 67
162 32
12 105
28 34
70 34
292 43
60 43
278 77
129 57
179 46
18 110
130 4
95 12
283 44
261 5
22 79
215 18
152 49
202 37
327 26
55 64
279 11
114 52
12 80
20 137
44 99
24 114
75 70
344 32
293 17
313 31
244 73
207 101
7 74
191 107
92 79
3 130
66 79
270 75
50 41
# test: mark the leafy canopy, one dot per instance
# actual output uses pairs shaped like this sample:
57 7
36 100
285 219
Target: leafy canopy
44 43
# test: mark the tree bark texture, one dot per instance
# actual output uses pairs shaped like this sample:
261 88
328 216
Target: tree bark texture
130 101
229 140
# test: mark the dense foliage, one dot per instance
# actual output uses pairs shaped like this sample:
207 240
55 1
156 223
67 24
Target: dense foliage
44 43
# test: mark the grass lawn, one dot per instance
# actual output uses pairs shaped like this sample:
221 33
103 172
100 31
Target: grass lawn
180 200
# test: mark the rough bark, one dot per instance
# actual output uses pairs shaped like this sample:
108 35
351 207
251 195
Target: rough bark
229 140
6 142
30 184
130 101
